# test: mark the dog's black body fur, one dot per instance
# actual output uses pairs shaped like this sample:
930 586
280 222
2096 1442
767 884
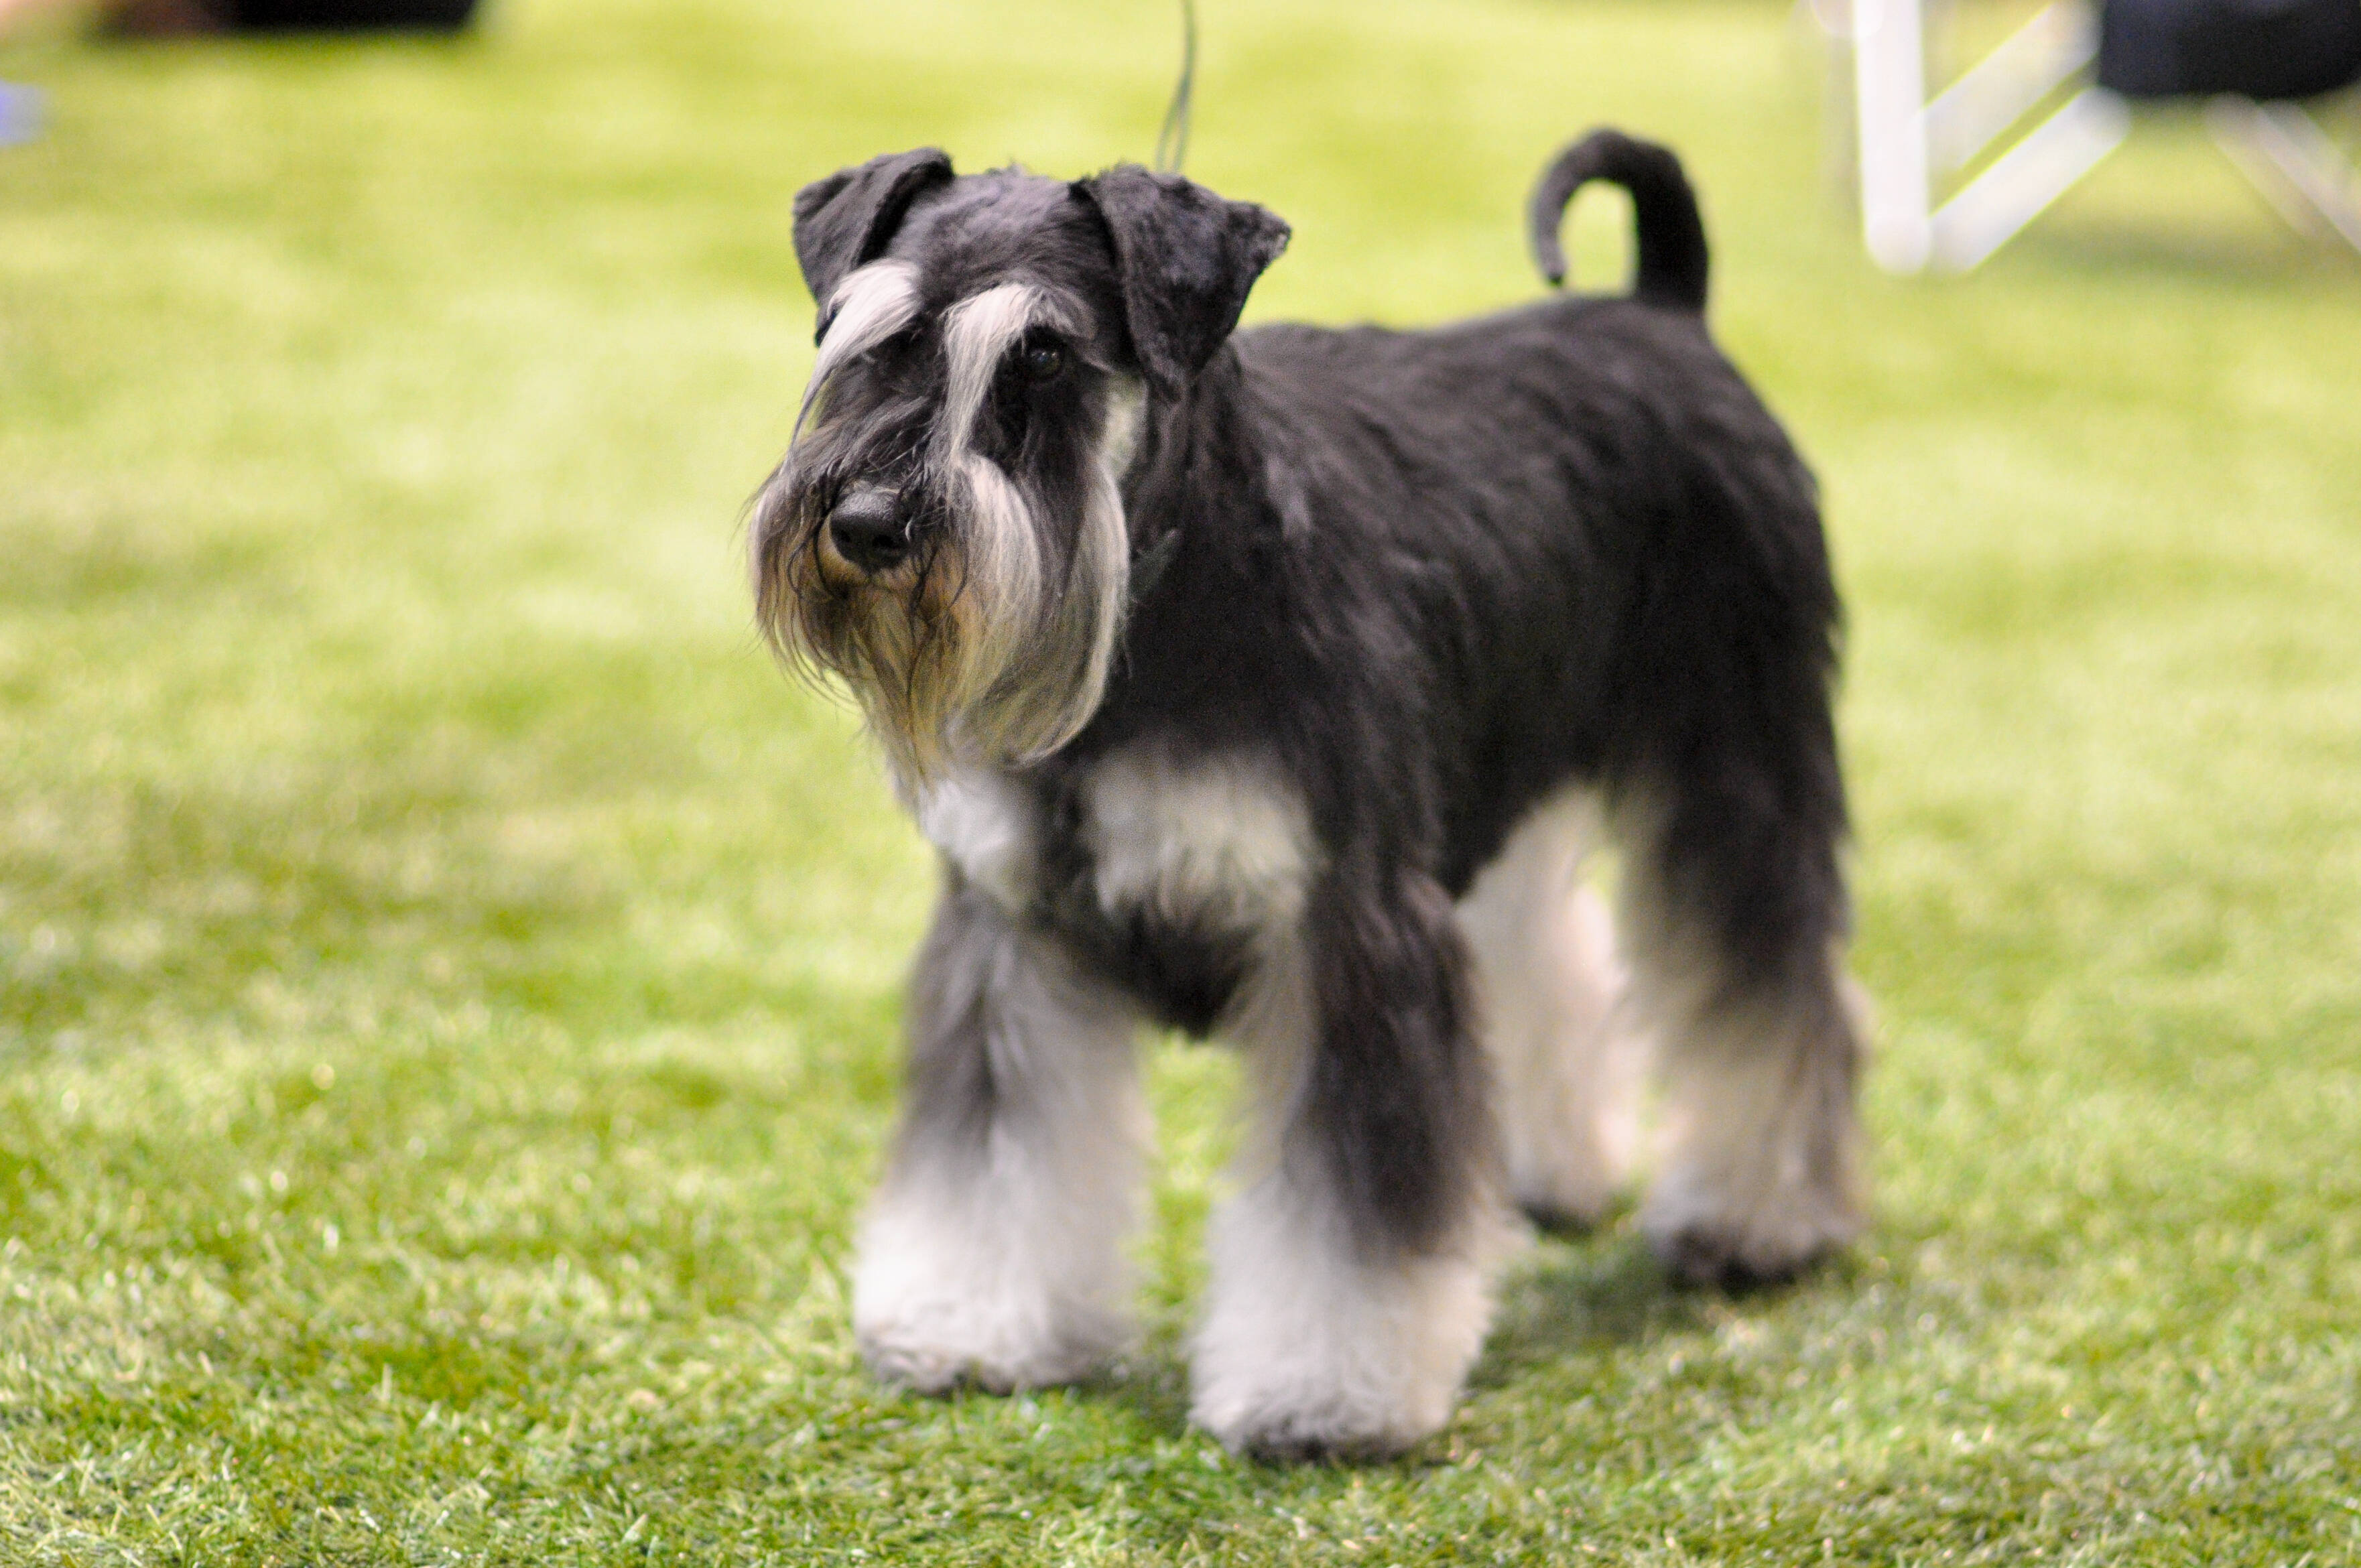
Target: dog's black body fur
1431 578
1655 611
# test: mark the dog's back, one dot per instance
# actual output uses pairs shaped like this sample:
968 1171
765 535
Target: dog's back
1622 485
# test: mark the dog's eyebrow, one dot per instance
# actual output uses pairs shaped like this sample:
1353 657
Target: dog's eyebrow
871 305
977 332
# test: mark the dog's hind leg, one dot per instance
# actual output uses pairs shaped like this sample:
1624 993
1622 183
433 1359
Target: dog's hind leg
1564 1076
1733 922
992 1252
1349 1274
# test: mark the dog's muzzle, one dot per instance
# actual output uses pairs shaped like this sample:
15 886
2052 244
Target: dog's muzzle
870 527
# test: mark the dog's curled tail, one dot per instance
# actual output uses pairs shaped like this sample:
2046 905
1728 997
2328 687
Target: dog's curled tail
1671 266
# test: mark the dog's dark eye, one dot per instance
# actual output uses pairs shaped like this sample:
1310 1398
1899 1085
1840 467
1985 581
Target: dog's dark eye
1041 362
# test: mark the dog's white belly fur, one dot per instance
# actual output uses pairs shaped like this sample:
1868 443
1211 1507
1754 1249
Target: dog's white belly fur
1217 841
1565 1064
1214 841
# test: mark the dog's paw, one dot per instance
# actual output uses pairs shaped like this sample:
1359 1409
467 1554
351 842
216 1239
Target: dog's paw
933 1343
1735 1241
1566 1199
1758 1175
1306 1351
1302 1420
938 1352
934 1310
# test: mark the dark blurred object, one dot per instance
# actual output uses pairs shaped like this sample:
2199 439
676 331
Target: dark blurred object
162 19
353 15
2263 49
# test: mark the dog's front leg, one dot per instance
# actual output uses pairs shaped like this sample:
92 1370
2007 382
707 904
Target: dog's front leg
992 1252
1349 1272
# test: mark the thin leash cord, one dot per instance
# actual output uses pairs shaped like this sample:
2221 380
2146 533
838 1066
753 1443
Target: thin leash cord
1172 141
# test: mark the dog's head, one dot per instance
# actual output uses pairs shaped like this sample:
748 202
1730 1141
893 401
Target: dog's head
946 529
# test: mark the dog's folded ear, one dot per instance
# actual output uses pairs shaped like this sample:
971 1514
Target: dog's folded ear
1186 258
848 219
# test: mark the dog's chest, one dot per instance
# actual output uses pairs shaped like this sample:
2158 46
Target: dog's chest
1169 874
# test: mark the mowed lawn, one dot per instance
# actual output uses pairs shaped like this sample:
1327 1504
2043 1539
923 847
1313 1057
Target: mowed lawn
448 977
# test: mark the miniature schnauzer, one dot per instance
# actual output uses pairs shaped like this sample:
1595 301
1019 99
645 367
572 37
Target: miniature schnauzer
1273 686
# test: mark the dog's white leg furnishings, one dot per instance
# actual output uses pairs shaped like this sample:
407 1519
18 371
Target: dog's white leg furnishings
992 1253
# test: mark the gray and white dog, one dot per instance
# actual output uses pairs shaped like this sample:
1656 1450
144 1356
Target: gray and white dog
1272 686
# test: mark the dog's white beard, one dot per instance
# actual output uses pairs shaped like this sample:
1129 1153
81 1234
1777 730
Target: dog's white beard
994 650
1029 648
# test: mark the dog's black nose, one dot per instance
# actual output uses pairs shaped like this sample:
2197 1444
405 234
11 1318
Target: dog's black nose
869 528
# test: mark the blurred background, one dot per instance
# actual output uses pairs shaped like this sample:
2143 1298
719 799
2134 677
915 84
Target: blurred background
448 977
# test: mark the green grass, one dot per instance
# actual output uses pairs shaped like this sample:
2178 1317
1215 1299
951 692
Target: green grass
448 977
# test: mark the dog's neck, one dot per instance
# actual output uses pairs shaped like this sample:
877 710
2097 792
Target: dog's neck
1183 478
